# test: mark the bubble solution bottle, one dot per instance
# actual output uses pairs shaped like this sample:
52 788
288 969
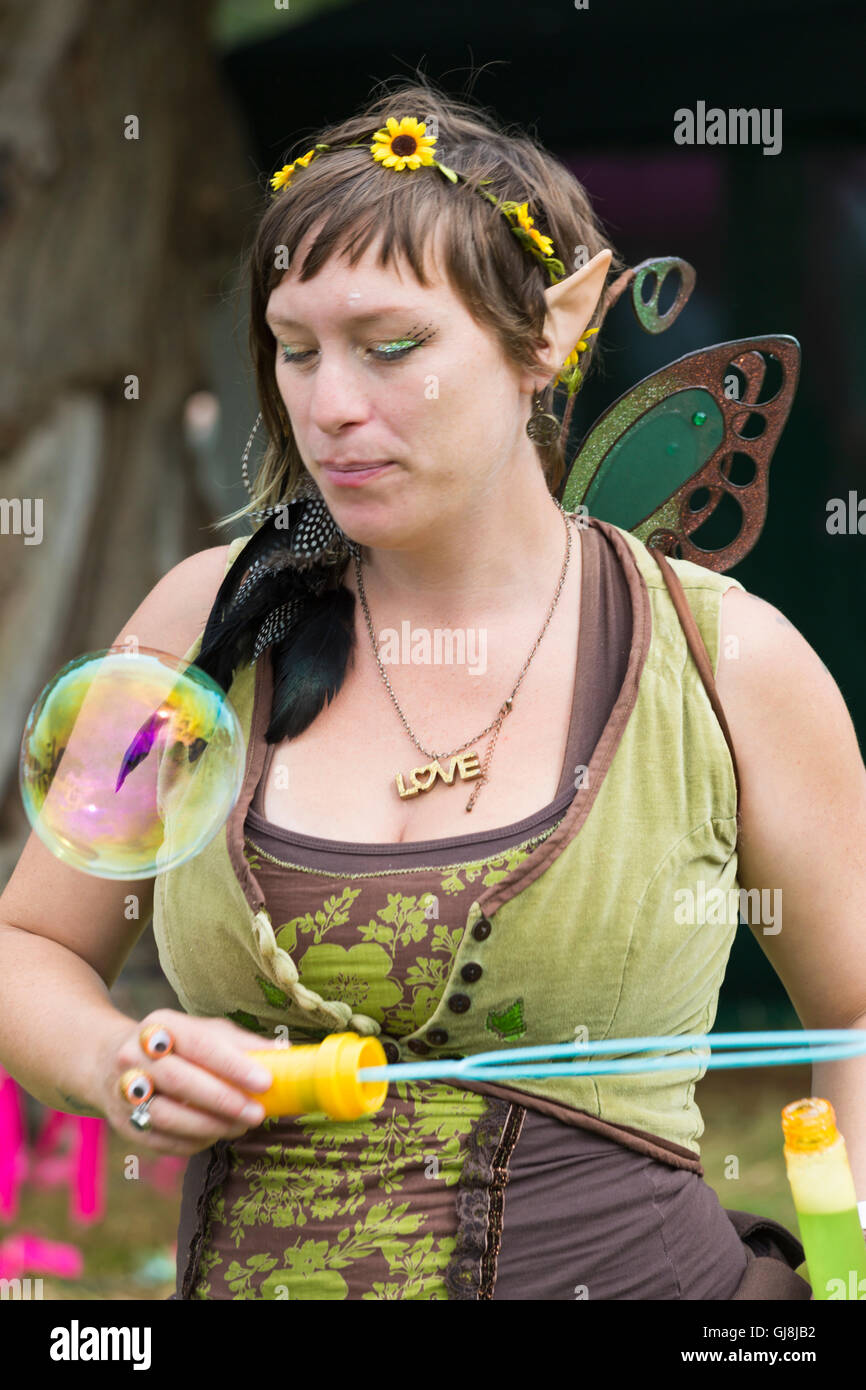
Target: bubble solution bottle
826 1203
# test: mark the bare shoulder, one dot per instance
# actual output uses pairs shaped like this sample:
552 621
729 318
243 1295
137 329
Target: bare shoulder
796 745
176 609
765 663
199 573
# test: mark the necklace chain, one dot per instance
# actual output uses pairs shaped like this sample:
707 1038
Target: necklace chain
507 704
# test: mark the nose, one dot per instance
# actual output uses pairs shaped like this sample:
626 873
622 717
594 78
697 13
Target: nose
337 394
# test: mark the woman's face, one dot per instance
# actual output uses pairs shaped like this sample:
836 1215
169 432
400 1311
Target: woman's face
384 369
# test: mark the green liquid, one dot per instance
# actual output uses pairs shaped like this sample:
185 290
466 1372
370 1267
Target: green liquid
834 1245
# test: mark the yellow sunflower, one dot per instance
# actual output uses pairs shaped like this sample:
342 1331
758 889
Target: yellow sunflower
573 358
544 243
283 178
403 144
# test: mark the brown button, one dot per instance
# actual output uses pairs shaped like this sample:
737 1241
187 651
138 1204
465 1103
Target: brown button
459 1003
416 1045
392 1051
471 972
437 1036
481 930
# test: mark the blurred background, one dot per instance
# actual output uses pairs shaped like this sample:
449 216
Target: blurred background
126 394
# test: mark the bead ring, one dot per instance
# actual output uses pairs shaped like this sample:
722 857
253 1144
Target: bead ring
137 1087
156 1041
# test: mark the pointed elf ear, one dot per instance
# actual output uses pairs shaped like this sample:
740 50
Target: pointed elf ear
571 304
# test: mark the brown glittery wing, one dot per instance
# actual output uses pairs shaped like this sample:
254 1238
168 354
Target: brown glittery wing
682 459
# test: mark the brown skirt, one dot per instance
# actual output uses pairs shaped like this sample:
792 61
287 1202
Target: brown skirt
460 1196
772 1255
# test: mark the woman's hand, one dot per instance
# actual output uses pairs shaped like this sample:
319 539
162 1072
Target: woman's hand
199 1087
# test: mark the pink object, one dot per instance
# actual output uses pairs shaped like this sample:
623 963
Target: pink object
164 1173
23 1253
13 1152
83 1165
92 1157
68 1148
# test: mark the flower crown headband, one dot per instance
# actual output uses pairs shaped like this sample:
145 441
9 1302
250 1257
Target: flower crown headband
403 145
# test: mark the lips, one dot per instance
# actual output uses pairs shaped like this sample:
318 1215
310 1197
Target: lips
356 466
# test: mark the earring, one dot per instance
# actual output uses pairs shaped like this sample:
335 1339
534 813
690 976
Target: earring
317 537
542 427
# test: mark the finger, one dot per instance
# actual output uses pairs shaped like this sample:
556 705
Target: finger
184 1080
205 1042
251 1042
168 1018
176 1121
155 1141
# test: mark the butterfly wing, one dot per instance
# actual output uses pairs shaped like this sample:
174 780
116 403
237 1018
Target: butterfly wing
646 282
660 460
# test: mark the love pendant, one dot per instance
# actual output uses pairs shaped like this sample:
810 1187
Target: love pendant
465 763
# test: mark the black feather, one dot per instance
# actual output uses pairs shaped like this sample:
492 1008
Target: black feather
310 660
310 663
262 576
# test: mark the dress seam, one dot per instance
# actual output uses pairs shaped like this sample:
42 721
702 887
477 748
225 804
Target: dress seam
661 1232
487 1148
486 859
217 1171
496 1217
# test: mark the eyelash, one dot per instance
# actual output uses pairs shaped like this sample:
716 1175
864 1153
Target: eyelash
290 357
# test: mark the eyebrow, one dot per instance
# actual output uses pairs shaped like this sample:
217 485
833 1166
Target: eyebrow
278 319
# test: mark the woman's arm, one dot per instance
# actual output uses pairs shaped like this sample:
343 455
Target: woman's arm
803 833
64 935
58 1021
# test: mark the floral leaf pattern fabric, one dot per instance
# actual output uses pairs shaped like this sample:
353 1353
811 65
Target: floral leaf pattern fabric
387 953
314 1208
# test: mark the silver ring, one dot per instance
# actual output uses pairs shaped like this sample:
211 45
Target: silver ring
140 1116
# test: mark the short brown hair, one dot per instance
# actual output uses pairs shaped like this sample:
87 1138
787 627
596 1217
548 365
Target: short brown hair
499 281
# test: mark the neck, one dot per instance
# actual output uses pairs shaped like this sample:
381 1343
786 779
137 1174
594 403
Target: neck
488 559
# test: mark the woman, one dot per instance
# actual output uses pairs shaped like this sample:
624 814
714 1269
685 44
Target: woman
348 890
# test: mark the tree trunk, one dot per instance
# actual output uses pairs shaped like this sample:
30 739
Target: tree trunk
124 194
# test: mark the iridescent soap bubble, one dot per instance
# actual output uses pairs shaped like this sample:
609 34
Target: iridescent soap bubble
130 762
